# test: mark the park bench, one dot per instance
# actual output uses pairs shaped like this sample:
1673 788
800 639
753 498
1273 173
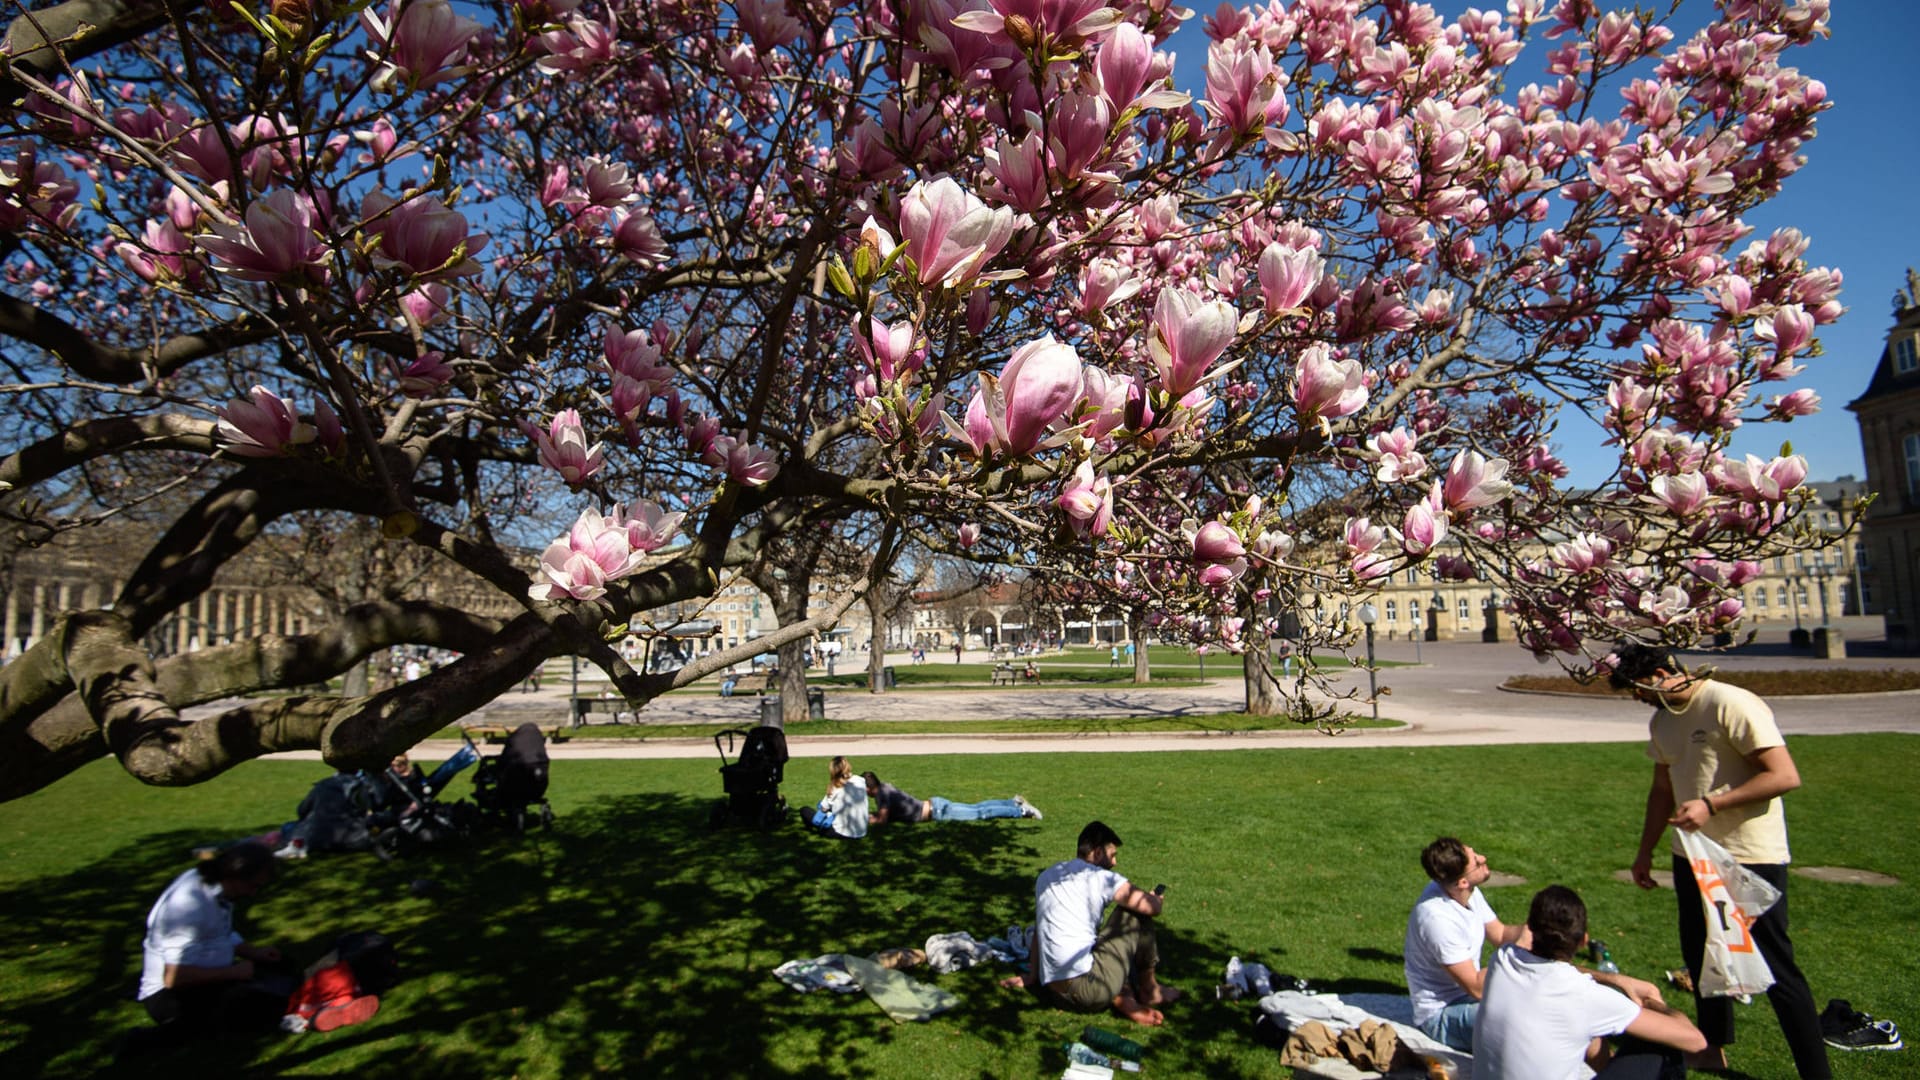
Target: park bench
585 707
772 683
1004 675
495 734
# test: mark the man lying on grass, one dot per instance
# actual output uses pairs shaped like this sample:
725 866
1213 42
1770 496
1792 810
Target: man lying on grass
1081 966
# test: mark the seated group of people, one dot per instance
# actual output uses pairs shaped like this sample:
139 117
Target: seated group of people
1530 1015
853 803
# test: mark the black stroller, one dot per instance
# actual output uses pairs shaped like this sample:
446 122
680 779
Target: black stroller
410 816
512 782
752 780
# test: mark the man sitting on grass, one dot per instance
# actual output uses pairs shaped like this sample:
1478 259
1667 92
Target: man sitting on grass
1449 925
197 975
1078 964
1541 1017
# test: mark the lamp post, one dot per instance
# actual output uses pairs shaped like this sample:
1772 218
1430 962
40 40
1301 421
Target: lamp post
1368 616
1820 573
1418 632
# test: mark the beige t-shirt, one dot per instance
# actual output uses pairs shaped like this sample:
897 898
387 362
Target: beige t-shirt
1706 748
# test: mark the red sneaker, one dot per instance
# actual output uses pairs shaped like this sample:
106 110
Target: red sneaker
354 1011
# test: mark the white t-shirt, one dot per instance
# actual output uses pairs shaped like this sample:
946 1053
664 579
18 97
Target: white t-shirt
1538 1017
1441 932
191 925
1068 899
848 805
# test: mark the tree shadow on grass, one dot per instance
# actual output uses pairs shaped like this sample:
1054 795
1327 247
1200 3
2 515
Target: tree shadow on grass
633 937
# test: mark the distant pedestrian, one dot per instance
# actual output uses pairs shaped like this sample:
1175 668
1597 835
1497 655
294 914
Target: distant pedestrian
1113 656
956 652
1129 654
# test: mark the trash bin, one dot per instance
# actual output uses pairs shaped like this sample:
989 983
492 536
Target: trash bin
770 710
816 703
886 677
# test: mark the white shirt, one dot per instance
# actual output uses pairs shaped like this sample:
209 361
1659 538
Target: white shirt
1068 899
1539 1016
191 925
1442 932
848 805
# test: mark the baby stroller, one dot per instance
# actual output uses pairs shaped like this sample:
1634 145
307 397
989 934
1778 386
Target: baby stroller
410 816
511 782
752 780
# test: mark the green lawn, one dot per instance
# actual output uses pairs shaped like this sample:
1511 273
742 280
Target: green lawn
634 940
1219 723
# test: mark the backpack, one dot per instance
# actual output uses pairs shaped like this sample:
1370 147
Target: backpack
370 954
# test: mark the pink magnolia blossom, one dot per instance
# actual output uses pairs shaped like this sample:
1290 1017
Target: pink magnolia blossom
1361 535
890 352
581 46
638 239
424 377
1583 553
1287 276
1423 528
427 305
950 234
1473 481
1454 568
607 183
1218 576
1087 501
1020 168
262 425
1765 481
1790 329
380 140
419 47
1106 402
1063 20
1326 388
1040 385
163 254
1188 334
580 565
968 536
1398 459
327 430
1682 494
648 527
1216 542
278 242
1802 402
563 447
1243 87
422 236
1104 283
754 466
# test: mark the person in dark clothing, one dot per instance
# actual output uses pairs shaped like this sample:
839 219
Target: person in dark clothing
892 804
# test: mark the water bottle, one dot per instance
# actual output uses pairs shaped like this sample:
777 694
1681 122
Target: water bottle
1108 1043
1602 959
1082 1054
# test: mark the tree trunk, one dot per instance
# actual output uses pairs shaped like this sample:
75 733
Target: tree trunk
1264 694
1136 627
876 647
355 682
793 682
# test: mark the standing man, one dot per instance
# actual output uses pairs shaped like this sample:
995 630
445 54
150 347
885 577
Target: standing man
1080 965
1542 1017
1720 766
1449 926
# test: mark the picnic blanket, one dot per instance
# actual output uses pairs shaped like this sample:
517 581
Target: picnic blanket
898 994
1292 1010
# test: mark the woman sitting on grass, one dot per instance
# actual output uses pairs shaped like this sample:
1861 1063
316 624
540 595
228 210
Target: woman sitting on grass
892 804
843 812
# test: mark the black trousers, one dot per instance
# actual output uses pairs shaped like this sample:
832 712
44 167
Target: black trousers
1792 999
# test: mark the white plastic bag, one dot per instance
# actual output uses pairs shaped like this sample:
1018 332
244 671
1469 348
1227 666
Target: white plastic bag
1732 897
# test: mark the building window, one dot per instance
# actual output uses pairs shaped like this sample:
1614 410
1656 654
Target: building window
1413 611
1783 596
1912 446
1462 611
1760 596
1393 611
1906 357
1779 564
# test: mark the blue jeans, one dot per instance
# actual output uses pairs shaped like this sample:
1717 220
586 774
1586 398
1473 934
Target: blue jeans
1454 1025
948 810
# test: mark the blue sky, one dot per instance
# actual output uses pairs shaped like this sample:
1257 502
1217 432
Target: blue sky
1855 200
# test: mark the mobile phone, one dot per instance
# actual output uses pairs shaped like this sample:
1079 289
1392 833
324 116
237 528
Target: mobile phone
1160 889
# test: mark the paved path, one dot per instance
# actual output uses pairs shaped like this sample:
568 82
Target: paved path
1451 698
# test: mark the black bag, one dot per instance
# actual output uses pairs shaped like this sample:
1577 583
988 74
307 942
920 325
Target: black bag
370 954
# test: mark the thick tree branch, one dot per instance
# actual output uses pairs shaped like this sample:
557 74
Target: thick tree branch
91 439
104 363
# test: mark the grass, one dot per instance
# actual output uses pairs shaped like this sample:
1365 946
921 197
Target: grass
634 940
1764 683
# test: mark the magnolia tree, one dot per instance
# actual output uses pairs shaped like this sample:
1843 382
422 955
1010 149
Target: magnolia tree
673 279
